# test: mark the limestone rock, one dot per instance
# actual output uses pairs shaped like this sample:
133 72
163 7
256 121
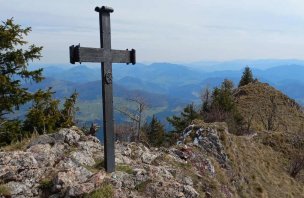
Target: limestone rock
68 136
43 139
148 157
68 164
207 138
84 158
80 189
190 192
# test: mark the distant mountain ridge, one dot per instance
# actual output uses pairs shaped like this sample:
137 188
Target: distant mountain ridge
167 87
261 64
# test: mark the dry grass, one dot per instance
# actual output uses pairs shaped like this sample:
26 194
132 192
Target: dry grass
20 145
255 99
261 171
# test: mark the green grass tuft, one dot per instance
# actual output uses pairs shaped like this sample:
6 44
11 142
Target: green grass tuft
46 184
105 191
142 186
124 168
5 191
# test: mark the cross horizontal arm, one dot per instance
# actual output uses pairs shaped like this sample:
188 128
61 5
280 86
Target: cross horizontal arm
98 55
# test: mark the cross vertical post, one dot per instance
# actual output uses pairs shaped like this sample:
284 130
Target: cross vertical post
107 89
106 56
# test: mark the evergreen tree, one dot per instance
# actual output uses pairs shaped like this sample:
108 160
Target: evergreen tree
247 77
44 115
206 100
221 104
69 110
14 59
155 132
222 98
184 120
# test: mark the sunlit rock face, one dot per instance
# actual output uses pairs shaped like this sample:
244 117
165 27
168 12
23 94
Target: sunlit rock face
70 164
206 161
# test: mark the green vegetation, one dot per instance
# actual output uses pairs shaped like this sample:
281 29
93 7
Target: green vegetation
247 77
217 106
142 186
44 116
105 191
184 120
155 132
14 59
124 168
20 144
46 184
69 110
99 165
5 191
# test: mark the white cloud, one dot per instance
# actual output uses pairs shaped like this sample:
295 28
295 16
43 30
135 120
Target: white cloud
167 30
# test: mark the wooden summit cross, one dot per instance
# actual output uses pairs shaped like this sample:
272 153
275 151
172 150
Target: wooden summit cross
106 56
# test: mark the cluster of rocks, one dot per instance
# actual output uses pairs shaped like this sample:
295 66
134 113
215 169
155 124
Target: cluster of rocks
207 137
56 160
69 164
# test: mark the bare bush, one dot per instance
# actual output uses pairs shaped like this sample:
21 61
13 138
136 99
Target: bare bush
125 132
135 116
297 165
215 115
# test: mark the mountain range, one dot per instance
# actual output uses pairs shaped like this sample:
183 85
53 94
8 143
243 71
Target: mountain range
165 87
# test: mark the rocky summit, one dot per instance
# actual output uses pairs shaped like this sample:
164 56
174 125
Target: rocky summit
206 162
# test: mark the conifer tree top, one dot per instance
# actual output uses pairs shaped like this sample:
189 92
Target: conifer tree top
247 77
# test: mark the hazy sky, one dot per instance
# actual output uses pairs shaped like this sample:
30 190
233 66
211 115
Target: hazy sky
167 30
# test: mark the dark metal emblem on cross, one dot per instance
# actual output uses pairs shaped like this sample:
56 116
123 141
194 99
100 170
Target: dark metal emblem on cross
106 56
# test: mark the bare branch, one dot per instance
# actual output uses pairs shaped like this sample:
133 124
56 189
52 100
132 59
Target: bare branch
130 115
3 122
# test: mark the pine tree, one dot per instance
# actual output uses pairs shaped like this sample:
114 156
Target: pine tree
225 96
69 110
221 104
155 132
247 77
184 120
206 100
222 98
14 59
44 115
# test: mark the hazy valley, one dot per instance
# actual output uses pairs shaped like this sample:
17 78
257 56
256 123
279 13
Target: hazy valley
166 88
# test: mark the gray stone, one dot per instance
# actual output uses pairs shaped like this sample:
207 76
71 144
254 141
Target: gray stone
68 136
80 189
17 188
188 181
84 158
43 139
148 157
190 192
141 175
